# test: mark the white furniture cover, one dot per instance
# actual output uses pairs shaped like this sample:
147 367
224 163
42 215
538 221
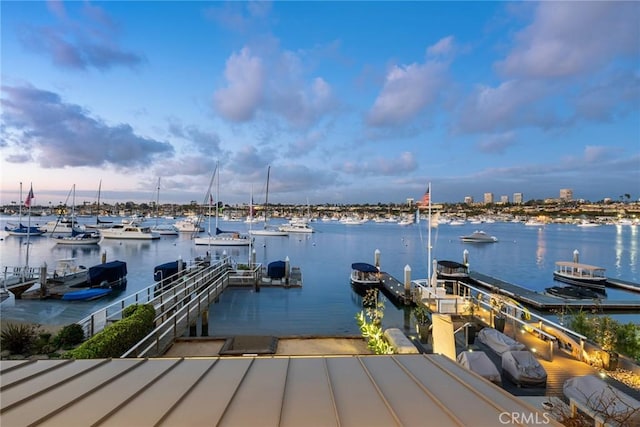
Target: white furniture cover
498 341
600 400
479 362
523 368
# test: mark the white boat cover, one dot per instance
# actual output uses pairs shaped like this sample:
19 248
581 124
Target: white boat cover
498 341
523 367
594 396
479 362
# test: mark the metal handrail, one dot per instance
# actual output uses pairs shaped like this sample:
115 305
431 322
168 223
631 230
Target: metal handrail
158 340
188 281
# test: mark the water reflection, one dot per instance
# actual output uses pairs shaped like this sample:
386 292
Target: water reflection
541 248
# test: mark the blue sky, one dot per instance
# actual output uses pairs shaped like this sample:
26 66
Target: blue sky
348 102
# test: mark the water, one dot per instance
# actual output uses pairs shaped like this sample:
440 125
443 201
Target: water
326 304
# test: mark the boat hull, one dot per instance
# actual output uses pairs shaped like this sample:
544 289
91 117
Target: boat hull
598 284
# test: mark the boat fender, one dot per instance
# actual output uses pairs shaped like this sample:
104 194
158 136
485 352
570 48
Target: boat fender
104 284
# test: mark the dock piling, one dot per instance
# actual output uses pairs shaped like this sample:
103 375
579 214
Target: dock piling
407 282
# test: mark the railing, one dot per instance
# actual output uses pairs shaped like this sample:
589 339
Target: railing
164 295
475 301
184 314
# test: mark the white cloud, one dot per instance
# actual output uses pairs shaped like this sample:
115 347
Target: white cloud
240 99
569 38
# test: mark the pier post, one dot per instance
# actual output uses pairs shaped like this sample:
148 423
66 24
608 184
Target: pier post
205 323
253 257
576 256
180 264
104 257
376 258
43 280
465 257
407 283
287 266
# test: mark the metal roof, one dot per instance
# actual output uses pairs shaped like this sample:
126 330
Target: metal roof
408 390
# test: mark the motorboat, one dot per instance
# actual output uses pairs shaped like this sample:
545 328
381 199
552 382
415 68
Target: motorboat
578 274
297 227
111 275
125 231
478 237
451 270
364 276
189 225
76 238
62 226
574 292
68 272
224 238
23 230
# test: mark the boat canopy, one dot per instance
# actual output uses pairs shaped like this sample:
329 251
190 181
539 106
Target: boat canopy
109 272
364 267
276 269
165 270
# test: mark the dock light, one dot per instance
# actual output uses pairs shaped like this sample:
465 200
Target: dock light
522 331
603 375
533 350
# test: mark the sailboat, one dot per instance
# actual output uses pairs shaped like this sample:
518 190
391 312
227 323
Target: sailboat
20 229
99 222
18 279
268 230
77 237
220 238
166 229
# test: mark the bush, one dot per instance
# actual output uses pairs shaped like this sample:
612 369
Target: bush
19 338
69 336
119 337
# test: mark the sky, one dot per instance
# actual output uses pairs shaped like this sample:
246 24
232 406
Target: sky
345 101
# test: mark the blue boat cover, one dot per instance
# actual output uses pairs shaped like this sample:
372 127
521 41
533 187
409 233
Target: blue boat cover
165 270
276 269
108 272
86 294
364 267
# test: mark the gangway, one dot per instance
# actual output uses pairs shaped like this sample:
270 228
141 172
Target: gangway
165 300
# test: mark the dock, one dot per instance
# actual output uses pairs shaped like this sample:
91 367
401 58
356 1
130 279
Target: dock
394 289
623 284
545 302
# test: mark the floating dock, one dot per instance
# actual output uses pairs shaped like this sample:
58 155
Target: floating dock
545 302
394 289
623 284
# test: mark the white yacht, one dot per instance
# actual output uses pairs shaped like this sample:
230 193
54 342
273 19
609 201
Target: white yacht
297 227
124 231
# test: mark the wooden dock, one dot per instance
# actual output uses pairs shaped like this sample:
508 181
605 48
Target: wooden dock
545 302
394 290
623 284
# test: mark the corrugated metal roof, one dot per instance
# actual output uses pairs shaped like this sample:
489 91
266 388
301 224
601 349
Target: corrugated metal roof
408 390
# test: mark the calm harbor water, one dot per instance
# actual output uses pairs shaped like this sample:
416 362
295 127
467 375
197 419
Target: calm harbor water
326 304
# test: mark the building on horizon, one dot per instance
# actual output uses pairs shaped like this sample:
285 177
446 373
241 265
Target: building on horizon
468 200
488 198
518 198
504 199
566 194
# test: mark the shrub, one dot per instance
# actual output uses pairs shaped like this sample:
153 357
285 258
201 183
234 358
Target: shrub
69 336
19 338
119 337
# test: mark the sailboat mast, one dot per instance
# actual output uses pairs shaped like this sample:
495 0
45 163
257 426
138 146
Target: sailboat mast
157 203
429 236
266 202
98 212
28 223
20 207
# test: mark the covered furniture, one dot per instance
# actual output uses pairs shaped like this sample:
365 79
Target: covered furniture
522 368
599 400
497 341
479 362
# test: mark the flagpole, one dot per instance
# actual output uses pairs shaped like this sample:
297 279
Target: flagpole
429 236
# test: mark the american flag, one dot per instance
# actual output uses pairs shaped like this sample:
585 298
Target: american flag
426 198
30 196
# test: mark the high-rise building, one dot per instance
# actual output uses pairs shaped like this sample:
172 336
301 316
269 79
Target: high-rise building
566 194
504 199
518 198
468 200
488 198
